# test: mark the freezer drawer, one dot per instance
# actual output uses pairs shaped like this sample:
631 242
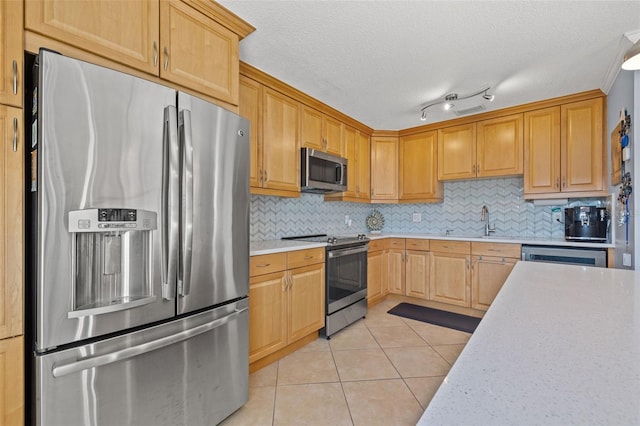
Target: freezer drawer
189 371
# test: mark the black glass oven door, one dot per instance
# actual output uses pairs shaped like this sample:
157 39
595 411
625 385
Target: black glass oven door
346 277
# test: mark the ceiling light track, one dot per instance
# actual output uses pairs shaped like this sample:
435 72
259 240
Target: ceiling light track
447 100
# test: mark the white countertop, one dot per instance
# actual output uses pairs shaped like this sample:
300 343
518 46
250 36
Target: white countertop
277 246
559 345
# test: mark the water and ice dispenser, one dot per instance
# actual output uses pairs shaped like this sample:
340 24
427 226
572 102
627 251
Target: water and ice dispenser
112 259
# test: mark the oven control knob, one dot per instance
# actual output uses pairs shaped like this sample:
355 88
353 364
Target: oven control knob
332 240
362 236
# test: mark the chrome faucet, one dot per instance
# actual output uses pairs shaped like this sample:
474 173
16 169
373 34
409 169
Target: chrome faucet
484 217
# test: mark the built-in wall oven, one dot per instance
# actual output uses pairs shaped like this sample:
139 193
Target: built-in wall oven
345 280
585 256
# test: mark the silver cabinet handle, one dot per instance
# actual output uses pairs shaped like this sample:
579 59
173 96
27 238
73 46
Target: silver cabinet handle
170 203
128 353
166 58
155 54
558 182
15 134
184 283
15 77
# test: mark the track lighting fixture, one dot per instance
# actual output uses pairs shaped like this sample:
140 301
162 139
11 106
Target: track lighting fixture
447 100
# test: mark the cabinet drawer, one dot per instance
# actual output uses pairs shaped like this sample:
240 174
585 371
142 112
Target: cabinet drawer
396 243
306 257
267 263
495 249
417 244
376 245
460 247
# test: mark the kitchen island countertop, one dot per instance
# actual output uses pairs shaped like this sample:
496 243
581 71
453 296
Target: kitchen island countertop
559 345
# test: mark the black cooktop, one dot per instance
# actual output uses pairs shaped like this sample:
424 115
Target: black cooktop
333 240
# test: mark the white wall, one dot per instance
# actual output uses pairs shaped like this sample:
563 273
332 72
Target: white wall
621 97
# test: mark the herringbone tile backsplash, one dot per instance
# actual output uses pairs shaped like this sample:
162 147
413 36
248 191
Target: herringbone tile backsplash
275 217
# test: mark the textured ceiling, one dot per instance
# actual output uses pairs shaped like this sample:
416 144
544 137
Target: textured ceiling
381 61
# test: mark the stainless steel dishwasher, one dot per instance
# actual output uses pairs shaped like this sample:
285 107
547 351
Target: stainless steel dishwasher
585 256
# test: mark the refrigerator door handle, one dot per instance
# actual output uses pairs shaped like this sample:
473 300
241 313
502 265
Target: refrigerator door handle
133 351
170 203
184 283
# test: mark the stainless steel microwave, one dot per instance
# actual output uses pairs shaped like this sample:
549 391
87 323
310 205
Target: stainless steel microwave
321 172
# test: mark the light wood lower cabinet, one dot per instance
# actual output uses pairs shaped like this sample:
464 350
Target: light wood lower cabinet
396 266
417 274
12 381
450 272
286 299
491 264
377 271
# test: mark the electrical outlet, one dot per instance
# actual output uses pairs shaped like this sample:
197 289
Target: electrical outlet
347 220
417 217
556 216
626 259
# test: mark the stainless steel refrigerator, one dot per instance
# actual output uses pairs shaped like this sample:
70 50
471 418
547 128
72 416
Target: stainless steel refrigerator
139 261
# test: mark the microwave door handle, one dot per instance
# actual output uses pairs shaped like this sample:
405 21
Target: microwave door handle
184 284
170 194
339 173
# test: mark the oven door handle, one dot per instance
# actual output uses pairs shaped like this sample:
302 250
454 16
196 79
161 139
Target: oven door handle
347 251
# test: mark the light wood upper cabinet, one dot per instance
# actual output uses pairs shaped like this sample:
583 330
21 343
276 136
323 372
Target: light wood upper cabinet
319 131
499 146
384 169
180 41
581 146
351 154
486 148
542 151
124 31
418 168
12 381
11 62
197 52
565 151
11 214
363 166
280 147
250 108
457 152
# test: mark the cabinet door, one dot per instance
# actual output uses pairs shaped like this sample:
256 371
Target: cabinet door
351 154
582 148
418 168
333 136
488 274
376 271
306 301
12 380
11 220
363 166
417 274
281 156
384 169
311 128
457 152
449 278
396 271
249 108
197 52
499 146
11 53
267 315
542 151
123 31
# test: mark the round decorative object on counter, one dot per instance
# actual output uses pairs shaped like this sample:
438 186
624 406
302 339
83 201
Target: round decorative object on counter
375 222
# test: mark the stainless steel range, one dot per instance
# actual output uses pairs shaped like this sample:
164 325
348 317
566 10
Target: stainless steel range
345 279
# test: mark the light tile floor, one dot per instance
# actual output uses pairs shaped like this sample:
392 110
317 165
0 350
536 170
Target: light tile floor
382 370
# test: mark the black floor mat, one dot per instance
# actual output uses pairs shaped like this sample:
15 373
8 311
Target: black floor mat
436 316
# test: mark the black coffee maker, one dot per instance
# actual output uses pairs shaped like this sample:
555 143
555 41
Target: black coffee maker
586 223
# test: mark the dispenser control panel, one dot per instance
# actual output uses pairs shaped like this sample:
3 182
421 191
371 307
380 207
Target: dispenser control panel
102 220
